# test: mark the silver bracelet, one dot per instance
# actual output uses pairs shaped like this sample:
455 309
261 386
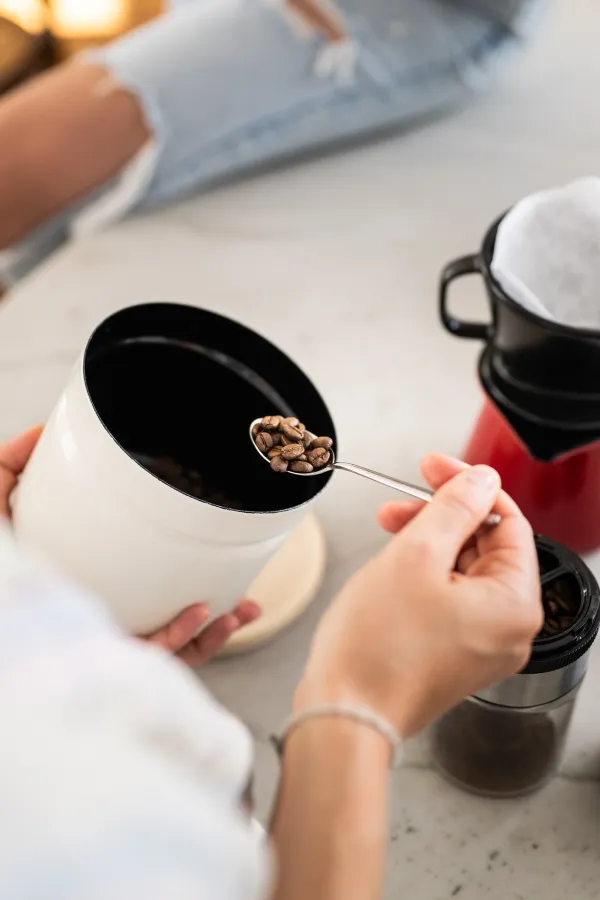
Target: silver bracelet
362 714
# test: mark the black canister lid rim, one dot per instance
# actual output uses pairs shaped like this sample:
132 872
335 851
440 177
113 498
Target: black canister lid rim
561 650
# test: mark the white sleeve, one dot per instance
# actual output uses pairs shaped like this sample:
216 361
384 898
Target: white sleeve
120 776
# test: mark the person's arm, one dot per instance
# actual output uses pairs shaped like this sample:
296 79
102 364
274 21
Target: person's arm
330 822
423 624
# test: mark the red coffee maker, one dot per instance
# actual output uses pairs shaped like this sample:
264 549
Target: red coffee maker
540 423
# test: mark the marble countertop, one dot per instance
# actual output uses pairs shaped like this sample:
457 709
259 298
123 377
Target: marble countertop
336 260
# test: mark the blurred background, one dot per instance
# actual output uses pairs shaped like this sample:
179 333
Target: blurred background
35 34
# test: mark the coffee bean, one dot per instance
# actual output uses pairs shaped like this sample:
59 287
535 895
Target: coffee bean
264 441
321 443
279 464
563 604
285 440
303 468
292 432
271 423
292 451
319 457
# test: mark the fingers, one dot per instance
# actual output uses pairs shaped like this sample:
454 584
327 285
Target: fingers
182 630
207 644
247 611
15 452
455 513
437 470
13 458
393 516
466 560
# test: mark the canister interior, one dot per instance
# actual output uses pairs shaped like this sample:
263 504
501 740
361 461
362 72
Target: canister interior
177 391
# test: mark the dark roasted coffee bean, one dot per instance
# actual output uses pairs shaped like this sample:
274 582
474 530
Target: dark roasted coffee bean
276 451
290 431
319 457
271 423
321 443
279 464
292 451
303 468
264 442
563 604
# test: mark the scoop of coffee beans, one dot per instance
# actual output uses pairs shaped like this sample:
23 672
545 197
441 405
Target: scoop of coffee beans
289 446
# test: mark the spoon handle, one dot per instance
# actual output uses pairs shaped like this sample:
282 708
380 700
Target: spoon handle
403 486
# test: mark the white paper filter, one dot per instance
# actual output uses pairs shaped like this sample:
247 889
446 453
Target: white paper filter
547 254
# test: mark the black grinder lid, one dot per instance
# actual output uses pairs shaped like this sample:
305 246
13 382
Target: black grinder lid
561 570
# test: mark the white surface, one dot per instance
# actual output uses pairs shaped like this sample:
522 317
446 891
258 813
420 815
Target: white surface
337 261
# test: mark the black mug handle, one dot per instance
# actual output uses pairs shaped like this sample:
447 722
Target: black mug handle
466 265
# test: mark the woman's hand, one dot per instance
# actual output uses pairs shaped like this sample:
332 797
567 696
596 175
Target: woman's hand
181 636
448 606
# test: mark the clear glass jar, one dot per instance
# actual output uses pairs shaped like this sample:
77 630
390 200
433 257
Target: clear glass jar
509 739
501 751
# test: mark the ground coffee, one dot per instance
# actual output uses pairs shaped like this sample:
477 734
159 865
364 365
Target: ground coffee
495 750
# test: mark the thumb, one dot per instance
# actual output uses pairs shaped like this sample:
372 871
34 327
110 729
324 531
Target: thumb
456 512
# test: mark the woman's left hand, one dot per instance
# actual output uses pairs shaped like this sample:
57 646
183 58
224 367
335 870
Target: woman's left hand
181 636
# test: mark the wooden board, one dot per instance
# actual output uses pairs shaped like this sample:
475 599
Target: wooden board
285 587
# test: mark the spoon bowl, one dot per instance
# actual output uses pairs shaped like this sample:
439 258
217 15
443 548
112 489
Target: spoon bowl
328 468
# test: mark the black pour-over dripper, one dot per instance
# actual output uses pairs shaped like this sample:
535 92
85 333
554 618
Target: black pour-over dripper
545 437
548 371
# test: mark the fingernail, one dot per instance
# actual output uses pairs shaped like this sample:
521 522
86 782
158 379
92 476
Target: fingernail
483 478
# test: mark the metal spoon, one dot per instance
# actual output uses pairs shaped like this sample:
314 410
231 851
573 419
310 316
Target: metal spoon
403 486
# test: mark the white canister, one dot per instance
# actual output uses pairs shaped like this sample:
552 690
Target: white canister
156 382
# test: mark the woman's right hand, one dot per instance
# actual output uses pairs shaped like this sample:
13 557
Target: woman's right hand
446 608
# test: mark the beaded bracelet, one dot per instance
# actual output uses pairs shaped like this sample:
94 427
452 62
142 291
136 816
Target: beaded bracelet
362 714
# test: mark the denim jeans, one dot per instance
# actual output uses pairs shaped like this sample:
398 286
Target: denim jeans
228 85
